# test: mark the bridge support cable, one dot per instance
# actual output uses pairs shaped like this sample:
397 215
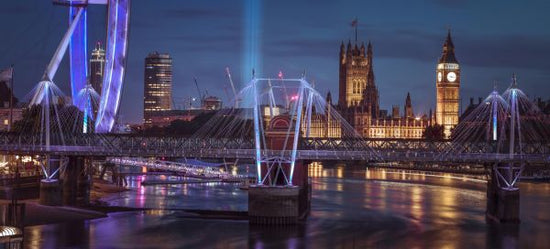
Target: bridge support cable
52 67
297 127
277 132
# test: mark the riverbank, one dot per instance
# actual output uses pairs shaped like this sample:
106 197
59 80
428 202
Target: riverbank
102 188
36 214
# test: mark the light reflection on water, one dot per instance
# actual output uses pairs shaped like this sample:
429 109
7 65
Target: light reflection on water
352 208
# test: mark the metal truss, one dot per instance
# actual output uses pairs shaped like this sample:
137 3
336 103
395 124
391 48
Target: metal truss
309 149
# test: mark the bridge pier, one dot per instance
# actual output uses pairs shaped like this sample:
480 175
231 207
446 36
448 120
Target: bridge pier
84 184
50 192
281 204
50 189
502 203
76 182
280 200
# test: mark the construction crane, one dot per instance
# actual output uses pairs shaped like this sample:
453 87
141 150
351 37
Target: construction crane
232 86
201 96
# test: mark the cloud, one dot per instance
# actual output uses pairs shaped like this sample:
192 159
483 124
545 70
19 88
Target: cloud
502 51
508 51
301 47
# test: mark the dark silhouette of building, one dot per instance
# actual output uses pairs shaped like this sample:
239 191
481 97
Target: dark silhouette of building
408 107
9 110
97 65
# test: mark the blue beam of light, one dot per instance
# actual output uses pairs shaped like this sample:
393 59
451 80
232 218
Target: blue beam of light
252 41
117 36
78 54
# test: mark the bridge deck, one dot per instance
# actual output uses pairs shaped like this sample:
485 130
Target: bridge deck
311 149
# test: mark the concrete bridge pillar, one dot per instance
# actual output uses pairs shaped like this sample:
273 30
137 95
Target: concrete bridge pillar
502 202
50 192
84 184
76 182
50 189
275 202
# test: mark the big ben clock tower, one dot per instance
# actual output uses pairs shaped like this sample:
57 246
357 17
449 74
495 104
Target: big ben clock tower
447 87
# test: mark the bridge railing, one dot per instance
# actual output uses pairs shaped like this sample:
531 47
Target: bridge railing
360 149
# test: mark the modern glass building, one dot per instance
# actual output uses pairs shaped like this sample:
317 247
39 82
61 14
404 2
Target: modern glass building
157 94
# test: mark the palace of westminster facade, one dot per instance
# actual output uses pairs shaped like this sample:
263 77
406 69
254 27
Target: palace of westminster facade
358 99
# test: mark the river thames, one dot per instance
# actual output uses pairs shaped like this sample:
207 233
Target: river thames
352 207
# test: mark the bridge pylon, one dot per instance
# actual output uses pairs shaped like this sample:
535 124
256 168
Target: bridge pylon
281 195
520 126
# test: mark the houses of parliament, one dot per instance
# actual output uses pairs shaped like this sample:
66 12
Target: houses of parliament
358 98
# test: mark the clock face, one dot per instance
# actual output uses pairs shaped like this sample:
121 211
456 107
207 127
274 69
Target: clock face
439 77
451 77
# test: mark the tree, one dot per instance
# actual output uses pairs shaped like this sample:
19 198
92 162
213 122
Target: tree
180 127
434 132
63 119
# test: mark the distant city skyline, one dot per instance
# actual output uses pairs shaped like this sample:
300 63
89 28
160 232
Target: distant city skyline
493 39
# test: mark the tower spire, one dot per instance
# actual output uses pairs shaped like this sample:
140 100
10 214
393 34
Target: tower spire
329 98
448 54
408 107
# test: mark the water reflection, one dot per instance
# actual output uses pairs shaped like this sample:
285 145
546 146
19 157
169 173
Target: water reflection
353 207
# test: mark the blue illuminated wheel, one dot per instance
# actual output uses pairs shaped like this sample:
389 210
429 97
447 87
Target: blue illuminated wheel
115 56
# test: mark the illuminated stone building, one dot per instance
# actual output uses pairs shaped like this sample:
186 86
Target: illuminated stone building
358 96
359 99
323 125
157 86
447 88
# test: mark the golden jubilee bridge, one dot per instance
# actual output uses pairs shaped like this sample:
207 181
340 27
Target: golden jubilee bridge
369 150
279 124
287 119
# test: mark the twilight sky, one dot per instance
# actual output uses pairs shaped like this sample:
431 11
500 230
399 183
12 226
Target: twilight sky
493 39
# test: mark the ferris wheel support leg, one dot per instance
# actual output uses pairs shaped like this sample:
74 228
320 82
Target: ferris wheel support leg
61 48
78 54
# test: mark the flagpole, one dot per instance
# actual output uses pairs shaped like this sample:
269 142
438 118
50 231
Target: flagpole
356 33
11 98
356 24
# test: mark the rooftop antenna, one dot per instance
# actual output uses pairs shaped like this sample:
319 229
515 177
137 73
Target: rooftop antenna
514 82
